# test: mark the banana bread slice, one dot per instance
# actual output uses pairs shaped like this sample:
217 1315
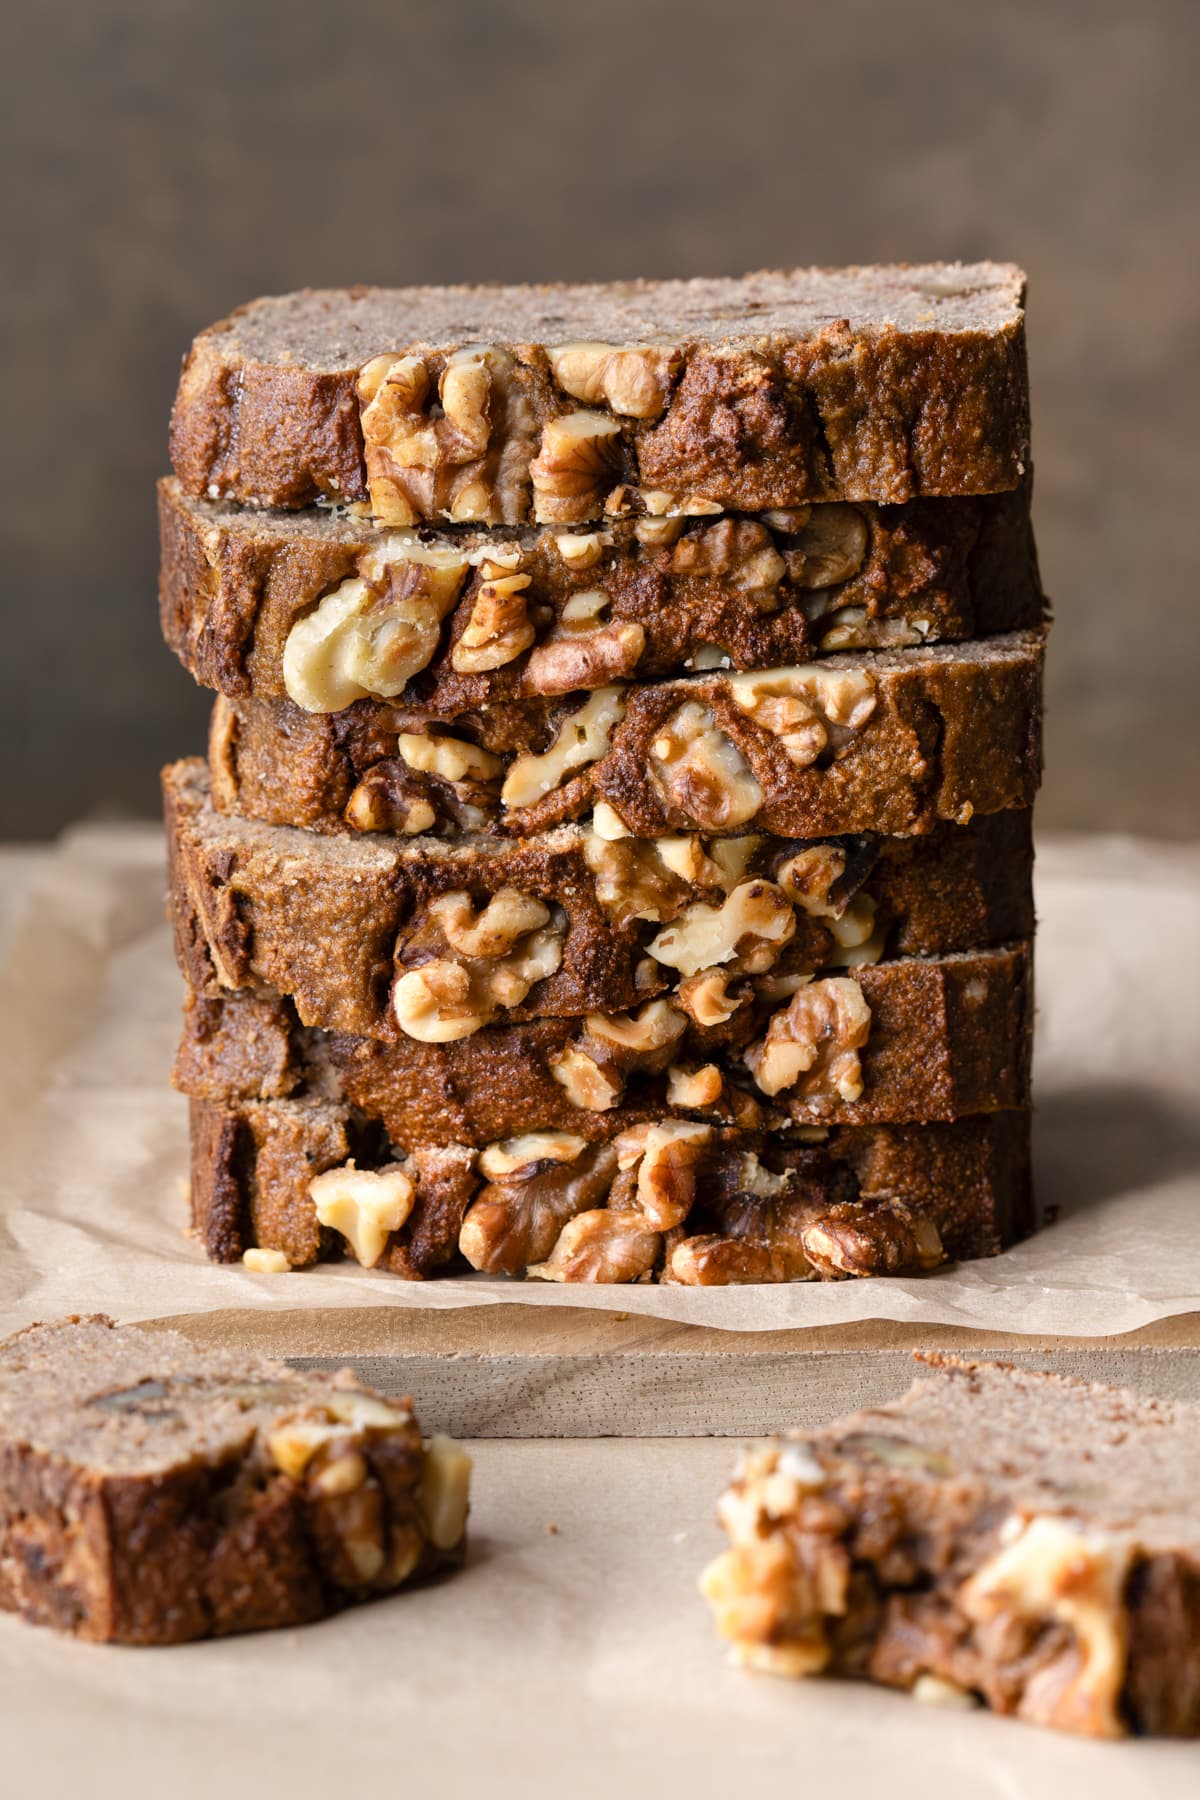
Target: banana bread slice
436 937
152 1491
562 404
888 741
669 1200
328 610
907 1040
1000 1535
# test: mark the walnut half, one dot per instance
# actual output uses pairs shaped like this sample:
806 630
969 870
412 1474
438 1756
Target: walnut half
701 773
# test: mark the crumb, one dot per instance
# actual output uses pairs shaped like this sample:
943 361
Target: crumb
552 1531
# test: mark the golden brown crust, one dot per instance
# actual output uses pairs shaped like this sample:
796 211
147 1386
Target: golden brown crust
764 593
776 391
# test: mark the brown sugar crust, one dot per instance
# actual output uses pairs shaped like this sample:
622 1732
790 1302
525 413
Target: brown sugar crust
889 741
946 1037
152 1491
335 923
774 390
1002 1535
848 1201
764 593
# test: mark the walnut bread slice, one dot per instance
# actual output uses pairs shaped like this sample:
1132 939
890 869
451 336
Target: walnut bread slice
287 1183
996 1536
434 939
566 404
152 1491
914 1039
326 609
887 741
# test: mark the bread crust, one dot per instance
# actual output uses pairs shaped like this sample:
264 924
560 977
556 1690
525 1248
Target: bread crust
869 384
232 585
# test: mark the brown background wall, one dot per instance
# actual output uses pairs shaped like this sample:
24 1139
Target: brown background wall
173 159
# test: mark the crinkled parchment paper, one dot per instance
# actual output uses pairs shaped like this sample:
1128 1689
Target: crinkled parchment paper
94 1152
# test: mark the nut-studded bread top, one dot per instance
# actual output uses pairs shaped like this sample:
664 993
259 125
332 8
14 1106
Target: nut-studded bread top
561 404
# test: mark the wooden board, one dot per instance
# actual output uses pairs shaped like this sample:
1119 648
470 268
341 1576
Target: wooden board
513 1371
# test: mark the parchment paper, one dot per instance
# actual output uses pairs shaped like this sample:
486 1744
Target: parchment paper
94 1157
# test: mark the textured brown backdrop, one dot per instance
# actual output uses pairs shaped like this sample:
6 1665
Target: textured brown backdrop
167 160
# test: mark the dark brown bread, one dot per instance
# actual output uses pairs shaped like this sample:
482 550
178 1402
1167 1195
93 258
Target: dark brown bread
1015 1537
152 1491
342 925
724 1205
904 1041
775 390
885 741
233 584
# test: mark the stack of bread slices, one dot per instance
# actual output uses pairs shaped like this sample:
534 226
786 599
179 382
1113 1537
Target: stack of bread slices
613 858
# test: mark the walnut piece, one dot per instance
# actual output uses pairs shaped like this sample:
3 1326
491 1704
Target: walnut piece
587 1084
635 878
740 552
1052 1571
826 544
818 1036
808 710
575 467
373 806
579 660
501 952
747 931
582 550
340 1414
459 453
518 1217
262 1261
666 1158
603 1245
498 630
633 382
593 1070
581 739
692 1088
706 999
364 1205
374 631
701 773
444 1494
450 759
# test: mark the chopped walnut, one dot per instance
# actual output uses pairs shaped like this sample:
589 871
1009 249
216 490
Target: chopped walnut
374 631
692 1089
586 659
518 1156
340 1414
772 1606
516 1220
747 931
742 552
706 998
602 1245
666 1158
817 1036
450 759
582 738
364 1206
262 1261
633 382
634 879
656 1026
1052 1571
808 710
374 806
587 1084
607 822
498 630
594 1068
444 1493
826 544
809 877
582 550
659 534
851 628
701 773
459 454
511 944
887 1238
575 467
